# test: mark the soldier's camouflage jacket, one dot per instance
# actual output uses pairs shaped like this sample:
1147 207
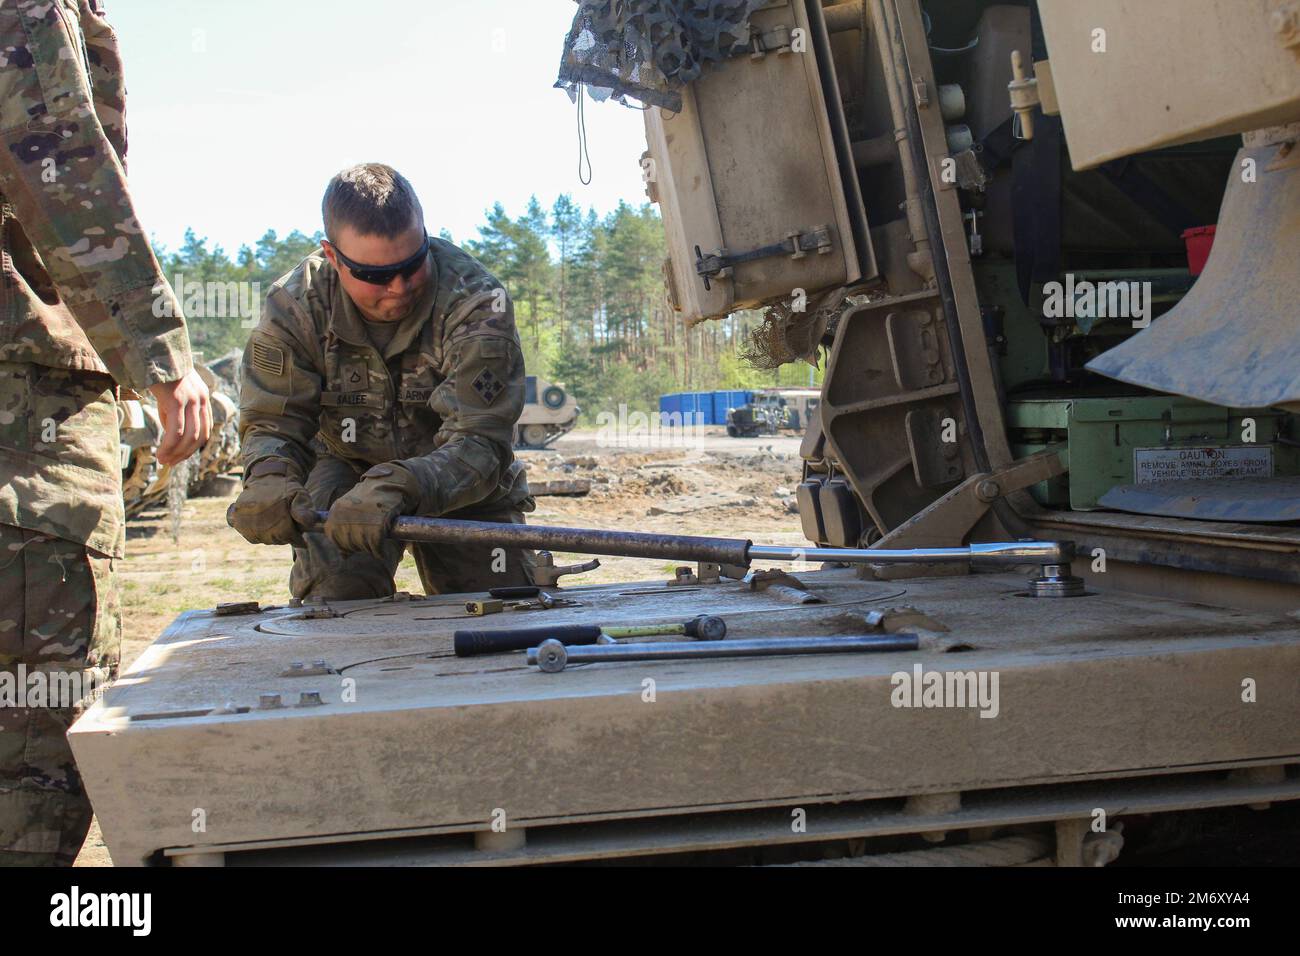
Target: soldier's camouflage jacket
442 400
83 308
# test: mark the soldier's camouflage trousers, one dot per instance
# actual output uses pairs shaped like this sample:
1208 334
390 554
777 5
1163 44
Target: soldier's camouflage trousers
60 636
321 571
60 631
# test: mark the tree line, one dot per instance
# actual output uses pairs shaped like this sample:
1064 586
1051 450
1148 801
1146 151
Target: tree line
588 292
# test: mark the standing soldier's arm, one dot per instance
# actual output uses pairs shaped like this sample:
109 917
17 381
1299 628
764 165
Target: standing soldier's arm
64 179
479 401
107 78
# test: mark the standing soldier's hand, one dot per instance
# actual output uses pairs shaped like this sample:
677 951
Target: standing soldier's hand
186 416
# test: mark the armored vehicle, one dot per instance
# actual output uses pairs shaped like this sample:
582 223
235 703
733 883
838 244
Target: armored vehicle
800 406
774 410
139 431
764 415
1053 474
145 483
549 412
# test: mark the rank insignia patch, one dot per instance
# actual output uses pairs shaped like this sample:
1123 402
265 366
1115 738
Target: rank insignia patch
356 377
488 386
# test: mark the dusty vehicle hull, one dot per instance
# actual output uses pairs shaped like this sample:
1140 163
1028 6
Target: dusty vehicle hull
1113 701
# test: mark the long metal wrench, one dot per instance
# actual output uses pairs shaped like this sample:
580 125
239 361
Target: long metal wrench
553 656
733 551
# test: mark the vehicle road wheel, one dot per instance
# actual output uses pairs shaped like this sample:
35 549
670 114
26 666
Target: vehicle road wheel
535 435
733 431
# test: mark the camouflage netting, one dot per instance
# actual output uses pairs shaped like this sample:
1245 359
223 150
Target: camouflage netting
786 336
649 49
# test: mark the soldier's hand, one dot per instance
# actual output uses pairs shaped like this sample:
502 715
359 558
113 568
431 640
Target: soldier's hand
360 520
274 507
186 415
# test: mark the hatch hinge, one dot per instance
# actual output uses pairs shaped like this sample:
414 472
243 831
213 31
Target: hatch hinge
796 245
763 42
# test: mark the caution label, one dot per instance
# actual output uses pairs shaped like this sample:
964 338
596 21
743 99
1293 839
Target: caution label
1185 464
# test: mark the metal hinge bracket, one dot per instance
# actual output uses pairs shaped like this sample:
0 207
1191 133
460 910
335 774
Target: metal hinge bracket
796 245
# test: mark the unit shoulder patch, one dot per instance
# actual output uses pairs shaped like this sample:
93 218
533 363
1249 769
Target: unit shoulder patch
488 386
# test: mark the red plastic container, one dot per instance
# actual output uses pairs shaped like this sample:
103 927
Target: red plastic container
1199 242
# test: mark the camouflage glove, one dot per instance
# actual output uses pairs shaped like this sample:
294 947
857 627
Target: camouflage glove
274 507
359 521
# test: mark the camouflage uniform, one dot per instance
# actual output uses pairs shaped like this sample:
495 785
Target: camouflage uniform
441 401
77 319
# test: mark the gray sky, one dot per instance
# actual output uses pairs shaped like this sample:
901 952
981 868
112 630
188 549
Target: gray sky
239 111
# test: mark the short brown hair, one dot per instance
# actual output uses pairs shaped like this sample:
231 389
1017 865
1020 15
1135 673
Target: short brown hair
374 199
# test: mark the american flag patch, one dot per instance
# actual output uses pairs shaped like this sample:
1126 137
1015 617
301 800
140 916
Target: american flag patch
268 358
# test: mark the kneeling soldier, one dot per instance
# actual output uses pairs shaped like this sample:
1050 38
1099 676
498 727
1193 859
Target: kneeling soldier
384 378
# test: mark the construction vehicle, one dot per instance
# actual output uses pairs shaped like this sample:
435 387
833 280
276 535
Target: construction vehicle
1134 462
549 412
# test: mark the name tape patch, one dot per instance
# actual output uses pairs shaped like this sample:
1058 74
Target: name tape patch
336 399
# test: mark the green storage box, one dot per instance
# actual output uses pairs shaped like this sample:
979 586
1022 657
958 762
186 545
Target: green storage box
1122 441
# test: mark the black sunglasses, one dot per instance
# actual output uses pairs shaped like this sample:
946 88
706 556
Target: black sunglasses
382 275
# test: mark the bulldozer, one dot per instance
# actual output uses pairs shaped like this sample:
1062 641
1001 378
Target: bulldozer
1051 488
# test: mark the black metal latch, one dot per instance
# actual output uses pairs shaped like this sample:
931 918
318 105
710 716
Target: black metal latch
796 245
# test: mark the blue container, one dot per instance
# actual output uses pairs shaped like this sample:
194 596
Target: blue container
715 411
724 400
700 408
675 408
717 408
697 410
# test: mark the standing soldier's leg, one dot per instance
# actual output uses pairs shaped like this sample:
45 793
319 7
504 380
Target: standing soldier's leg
59 621
60 638
454 569
321 571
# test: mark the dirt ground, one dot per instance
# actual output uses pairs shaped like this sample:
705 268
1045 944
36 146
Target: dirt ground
708 484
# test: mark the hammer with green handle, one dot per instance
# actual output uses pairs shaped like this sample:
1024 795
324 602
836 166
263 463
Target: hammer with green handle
704 627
